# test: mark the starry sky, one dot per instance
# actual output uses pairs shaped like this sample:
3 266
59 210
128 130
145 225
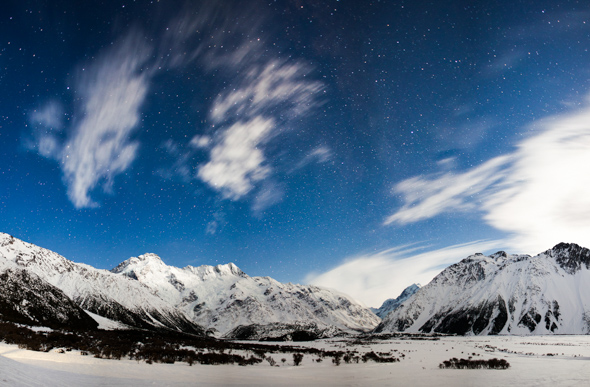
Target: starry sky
362 146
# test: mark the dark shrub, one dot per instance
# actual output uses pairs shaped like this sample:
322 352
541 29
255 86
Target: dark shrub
336 359
495 364
378 359
297 358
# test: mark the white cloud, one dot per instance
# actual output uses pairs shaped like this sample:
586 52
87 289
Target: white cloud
48 146
428 196
321 154
266 87
373 278
47 124
217 224
200 142
100 145
50 116
267 196
539 194
236 161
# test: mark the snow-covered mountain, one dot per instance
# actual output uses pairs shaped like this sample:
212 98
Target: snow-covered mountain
503 294
25 298
98 291
392 304
223 298
144 292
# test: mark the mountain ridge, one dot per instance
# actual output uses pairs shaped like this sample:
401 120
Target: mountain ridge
391 304
223 298
146 293
503 294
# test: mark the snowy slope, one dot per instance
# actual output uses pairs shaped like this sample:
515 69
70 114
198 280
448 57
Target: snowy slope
503 294
392 304
27 299
223 297
101 292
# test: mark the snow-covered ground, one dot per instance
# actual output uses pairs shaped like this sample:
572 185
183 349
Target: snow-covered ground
567 365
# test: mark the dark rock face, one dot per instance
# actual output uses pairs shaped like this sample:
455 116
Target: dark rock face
27 299
570 256
139 319
502 294
552 316
530 319
473 320
278 332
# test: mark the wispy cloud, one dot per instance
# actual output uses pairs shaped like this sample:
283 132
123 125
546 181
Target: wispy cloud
321 154
276 84
103 139
267 196
50 116
97 145
100 145
428 196
372 278
180 168
237 161
47 125
539 194
217 223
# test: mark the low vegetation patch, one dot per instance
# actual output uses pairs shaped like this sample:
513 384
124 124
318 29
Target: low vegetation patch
463 364
378 359
158 346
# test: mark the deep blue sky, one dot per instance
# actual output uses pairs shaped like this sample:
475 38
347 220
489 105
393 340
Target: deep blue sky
295 138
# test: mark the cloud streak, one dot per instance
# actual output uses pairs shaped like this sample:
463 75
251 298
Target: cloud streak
372 278
100 147
237 162
102 141
539 194
264 87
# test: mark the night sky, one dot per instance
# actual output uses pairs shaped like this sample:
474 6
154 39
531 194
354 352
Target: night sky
360 145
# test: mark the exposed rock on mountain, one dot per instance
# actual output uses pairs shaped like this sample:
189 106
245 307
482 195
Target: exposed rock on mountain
27 299
223 297
146 293
503 294
98 291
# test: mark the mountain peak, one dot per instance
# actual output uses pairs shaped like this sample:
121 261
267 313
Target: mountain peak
150 257
229 268
499 254
563 246
207 271
393 303
502 294
145 262
570 256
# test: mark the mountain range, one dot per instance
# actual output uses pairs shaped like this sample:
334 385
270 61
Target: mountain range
144 292
497 294
503 294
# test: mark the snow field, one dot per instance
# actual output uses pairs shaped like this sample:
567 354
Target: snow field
567 365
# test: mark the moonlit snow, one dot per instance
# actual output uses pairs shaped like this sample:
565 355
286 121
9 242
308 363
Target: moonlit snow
534 361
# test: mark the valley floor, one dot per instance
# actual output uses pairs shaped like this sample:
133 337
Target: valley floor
534 361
